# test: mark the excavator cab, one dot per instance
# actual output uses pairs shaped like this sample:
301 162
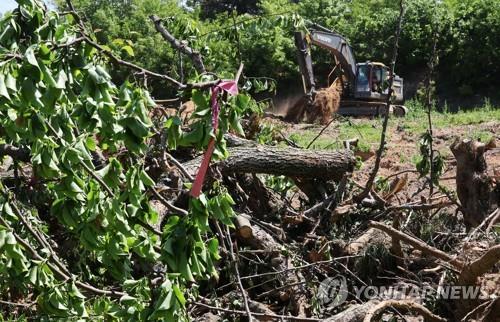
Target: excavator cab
372 82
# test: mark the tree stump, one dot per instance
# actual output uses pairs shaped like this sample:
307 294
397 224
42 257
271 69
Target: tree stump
474 186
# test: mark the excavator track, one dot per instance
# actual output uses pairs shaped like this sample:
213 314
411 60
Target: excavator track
370 109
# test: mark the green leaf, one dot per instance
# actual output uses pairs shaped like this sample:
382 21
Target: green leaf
146 179
213 247
30 56
12 114
47 76
3 87
96 77
90 143
10 239
10 82
138 128
61 80
129 50
3 235
127 299
32 274
200 100
75 292
179 295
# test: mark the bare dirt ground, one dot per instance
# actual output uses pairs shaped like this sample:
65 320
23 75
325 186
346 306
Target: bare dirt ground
402 150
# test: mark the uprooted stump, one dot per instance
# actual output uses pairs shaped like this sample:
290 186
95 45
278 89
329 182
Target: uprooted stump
474 187
325 103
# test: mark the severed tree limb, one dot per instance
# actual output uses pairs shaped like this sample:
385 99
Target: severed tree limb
418 244
185 49
256 236
369 237
379 308
141 70
244 226
60 274
480 266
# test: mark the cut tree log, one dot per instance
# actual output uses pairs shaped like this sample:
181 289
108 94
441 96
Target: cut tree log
474 186
370 237
289 162
256 236
245 230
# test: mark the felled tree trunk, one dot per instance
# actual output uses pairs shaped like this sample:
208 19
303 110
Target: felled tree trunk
474 186
289 162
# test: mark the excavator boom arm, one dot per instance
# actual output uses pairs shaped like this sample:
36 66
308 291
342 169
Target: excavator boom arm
332 42
339 47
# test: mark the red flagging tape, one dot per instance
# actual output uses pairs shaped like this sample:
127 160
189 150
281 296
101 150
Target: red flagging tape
232 88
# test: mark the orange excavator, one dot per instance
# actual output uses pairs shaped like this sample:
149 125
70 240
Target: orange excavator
363 87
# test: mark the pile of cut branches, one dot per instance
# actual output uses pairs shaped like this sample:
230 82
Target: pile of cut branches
116 206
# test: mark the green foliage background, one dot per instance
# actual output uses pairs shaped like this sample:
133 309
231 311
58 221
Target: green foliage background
468 35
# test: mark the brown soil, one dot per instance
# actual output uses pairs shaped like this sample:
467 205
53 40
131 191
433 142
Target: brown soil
402 146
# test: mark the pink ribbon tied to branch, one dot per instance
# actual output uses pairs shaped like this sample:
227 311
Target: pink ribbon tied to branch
230 87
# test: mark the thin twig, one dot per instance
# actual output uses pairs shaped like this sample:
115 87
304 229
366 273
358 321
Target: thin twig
168 204
257 314
320 132
38 235
26 305
180 166
238 277
181 46
432 62
299 267
418 244
380 151
483 223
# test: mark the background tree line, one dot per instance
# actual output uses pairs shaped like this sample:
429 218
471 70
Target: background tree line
260 34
